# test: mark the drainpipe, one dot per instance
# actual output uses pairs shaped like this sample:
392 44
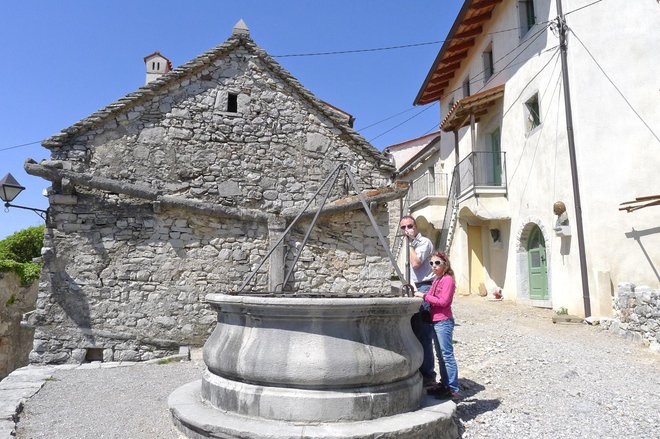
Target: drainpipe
571 151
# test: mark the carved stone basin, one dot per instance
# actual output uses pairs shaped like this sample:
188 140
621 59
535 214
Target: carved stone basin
291 363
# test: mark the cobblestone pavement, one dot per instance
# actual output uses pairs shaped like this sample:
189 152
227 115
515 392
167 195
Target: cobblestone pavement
522 377
525 377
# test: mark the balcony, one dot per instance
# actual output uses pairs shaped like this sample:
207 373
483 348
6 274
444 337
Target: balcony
428 187
481 173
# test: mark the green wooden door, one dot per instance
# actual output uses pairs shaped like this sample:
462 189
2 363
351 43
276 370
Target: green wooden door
538 268
497 157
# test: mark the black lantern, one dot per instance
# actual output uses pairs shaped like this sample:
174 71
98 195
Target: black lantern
9 189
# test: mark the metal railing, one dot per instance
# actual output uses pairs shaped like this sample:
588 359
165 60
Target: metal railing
428 185
447 221
481 169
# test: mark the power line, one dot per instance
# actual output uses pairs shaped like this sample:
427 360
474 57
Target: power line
386 119
477 76
377 49
341 52
534 37
21 145
531 80
615 87
397 126
582 7
515 170
529 43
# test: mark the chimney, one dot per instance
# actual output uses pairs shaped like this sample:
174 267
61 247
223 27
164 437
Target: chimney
157 65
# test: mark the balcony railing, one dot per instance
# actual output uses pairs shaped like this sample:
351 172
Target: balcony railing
428 185
482 170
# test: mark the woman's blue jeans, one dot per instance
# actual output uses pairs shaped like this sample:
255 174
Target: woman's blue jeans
444 347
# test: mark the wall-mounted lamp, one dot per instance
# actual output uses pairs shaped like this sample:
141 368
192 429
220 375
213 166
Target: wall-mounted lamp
9 189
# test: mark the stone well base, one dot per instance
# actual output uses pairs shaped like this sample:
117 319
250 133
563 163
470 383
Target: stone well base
198 420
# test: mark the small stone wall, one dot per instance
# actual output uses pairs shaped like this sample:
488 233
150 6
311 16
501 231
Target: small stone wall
15 341
636 315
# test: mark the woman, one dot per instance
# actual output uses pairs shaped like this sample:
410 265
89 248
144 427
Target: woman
440 297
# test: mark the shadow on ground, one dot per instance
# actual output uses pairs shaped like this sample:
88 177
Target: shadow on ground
470 406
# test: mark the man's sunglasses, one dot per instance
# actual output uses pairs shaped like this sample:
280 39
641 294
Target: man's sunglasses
408 226
436 263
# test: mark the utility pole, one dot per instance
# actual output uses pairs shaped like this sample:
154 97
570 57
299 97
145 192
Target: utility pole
561 22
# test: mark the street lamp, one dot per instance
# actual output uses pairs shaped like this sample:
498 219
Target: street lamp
9 189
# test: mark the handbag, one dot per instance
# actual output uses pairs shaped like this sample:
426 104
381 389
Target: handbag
425 312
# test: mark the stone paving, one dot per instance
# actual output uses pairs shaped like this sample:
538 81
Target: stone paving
521 376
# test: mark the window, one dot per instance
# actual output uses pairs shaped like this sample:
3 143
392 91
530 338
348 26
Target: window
232 103
532 115
153 66
466 87
526 15
158 65
489 68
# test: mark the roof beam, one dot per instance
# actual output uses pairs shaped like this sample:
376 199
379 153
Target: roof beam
469 33
484 3
441 78
460 46
447 69
437 87
459 56
477 19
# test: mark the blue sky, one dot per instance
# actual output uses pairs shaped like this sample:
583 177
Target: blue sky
61 61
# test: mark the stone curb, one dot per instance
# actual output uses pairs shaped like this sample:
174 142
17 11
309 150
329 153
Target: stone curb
22 384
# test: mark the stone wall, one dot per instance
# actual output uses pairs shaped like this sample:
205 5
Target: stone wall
127 269
636 315
15 341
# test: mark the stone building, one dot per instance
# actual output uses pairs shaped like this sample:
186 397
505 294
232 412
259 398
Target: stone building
180 189
15 341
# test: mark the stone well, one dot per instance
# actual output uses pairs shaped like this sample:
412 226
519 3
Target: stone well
284 367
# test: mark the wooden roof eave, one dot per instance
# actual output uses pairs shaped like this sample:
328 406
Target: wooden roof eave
461 29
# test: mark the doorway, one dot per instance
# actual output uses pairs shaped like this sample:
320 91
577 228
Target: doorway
537 265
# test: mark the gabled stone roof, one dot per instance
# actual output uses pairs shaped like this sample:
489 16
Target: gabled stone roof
199 63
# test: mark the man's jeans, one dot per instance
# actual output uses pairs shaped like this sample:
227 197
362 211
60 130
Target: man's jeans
424 333
444 330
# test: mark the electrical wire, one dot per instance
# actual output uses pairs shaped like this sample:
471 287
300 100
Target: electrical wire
556 58
582 7
515 170
386 119
615 87
377 49
398 125
21 145
342 52
477 77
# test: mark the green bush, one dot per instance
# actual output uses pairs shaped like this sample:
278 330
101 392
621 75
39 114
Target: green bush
23 246
18 250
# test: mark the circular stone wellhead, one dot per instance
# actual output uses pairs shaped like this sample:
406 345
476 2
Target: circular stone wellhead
283 363
313 359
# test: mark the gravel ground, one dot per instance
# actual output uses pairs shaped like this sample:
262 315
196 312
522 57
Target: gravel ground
123 402
525 377
522 377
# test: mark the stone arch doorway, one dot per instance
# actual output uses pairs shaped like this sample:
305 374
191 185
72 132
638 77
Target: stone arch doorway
533 266
537 267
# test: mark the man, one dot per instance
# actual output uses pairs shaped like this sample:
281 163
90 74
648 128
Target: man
421 275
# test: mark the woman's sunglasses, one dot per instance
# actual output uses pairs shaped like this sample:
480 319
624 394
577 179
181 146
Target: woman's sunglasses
436 263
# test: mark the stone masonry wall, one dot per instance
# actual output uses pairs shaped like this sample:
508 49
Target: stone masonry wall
15 341
126 279
637 315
